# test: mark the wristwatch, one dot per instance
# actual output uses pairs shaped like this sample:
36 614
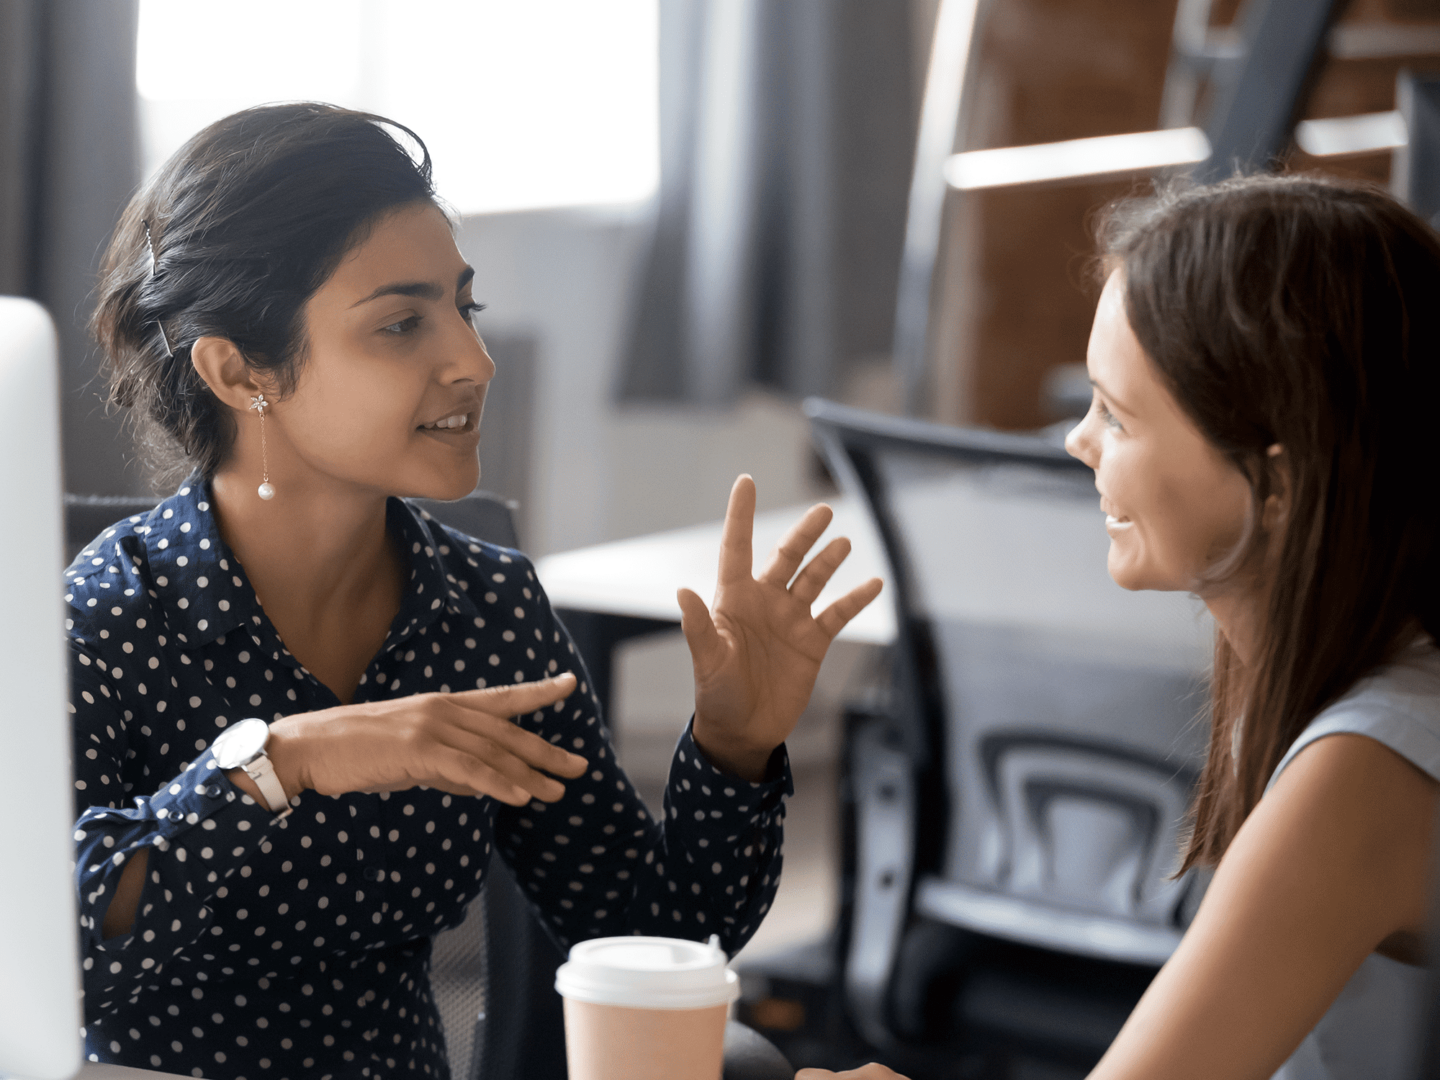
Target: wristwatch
242 746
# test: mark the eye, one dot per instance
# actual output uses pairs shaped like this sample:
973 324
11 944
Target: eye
1107 416
469 310
406 325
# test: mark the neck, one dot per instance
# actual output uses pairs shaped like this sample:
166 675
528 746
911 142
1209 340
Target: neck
1237 613
315 553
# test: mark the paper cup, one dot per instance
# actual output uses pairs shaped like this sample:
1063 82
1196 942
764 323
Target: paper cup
646 1008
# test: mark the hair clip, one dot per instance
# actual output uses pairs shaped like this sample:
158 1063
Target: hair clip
149 243
154 266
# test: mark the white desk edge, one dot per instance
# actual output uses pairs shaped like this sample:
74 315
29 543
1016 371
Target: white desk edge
639 576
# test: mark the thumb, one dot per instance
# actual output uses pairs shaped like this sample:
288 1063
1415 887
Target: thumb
699 629
519 698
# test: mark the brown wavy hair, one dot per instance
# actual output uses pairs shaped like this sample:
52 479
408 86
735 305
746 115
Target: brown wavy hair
1304 312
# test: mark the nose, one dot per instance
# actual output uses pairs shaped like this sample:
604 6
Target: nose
466 359
1080 442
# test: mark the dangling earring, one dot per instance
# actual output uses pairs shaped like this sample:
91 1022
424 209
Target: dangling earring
266 489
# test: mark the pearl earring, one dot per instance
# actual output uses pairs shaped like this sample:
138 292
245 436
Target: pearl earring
266 490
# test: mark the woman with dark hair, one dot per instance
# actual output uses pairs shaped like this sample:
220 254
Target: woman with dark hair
1266 361
316 783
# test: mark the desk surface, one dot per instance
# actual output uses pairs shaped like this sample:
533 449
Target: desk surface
122 1072
639 576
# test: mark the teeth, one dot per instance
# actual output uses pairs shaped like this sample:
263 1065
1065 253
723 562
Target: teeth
449 422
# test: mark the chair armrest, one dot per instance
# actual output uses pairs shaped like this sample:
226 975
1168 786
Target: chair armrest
751 1056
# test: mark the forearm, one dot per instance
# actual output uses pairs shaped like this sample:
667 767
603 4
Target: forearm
120 915
598 865
724 837
146 876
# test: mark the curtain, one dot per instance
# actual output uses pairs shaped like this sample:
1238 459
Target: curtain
786 140
69 161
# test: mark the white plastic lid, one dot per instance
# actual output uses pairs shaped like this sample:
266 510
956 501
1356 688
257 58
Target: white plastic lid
648 973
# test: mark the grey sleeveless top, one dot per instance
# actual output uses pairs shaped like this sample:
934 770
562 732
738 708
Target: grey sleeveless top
1372 1030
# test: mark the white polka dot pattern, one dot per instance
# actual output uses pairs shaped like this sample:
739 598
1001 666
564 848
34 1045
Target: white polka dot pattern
301 947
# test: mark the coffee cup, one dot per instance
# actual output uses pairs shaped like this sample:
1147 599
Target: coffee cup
646 1008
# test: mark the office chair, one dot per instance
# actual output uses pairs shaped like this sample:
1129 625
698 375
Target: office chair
1016 803
519 1032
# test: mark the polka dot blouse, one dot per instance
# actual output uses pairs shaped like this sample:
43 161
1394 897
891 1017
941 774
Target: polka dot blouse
300 947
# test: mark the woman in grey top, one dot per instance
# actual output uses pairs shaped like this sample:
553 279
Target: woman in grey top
1266 362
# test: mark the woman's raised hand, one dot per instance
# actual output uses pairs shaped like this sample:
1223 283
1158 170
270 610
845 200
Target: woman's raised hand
865 1072
757 652
463 743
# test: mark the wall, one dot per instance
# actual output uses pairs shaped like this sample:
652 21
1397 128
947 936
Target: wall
565 279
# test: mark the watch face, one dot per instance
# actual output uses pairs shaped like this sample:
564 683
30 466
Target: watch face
239 745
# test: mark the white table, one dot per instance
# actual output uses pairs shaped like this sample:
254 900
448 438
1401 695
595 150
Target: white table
638 577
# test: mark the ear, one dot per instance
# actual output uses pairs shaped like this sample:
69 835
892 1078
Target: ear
1277 503
222 365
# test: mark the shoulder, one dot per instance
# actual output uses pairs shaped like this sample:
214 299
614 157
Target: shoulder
108 579
1397 706
478 563
1333 862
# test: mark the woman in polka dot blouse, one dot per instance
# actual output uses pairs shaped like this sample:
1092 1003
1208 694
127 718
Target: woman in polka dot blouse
285 303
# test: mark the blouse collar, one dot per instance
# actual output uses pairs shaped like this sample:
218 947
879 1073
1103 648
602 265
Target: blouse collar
204 592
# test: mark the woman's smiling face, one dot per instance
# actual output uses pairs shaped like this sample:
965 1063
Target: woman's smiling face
1175 506
393 379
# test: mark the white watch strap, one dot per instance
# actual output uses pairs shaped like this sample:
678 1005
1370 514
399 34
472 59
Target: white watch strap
262 771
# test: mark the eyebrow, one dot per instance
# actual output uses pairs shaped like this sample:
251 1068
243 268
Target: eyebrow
425 290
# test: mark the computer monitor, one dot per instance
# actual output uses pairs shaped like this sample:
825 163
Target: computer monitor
39 961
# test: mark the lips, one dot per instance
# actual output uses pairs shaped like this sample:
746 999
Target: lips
454 422
460 417
1112 518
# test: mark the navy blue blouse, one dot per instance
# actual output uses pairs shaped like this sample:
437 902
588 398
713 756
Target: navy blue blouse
300 947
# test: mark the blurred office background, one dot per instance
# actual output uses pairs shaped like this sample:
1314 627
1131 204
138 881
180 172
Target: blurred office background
685 216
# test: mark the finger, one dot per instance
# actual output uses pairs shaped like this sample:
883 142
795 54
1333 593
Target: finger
819 570
699 630
495 759
736 559
494 779
515 699
785 560
465 727
833 619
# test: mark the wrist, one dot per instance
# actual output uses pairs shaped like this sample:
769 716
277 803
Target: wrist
730 755
285 748
260 760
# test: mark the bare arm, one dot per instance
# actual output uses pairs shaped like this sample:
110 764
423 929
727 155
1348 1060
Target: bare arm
1333 861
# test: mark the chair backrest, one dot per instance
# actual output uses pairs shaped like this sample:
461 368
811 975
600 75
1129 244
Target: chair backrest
1051 712
87 515
481 514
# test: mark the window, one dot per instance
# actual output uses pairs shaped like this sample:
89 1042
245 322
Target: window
522 104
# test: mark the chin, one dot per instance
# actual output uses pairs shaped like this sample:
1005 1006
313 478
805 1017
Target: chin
1126 580
1140 578
446 488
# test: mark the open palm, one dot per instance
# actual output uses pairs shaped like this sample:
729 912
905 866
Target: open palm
758 650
